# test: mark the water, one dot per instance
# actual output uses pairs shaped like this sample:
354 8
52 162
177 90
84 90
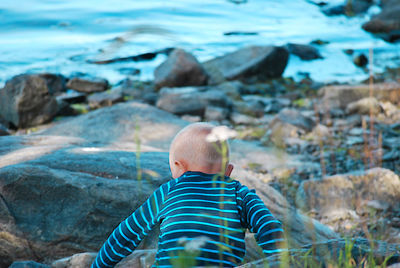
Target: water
60 36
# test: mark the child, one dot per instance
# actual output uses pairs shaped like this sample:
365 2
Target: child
202 214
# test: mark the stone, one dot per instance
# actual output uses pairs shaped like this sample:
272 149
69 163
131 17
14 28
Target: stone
334 10
242 119
28 264
349 192
386 24
253 108
232 89
361 60
305 52
107 98
355 7
25 101
72 97
137 90
249 63
340 96
119 124
296 118
364 106
179 70
216 114
55 82
87 85
276 105
191 100
4 131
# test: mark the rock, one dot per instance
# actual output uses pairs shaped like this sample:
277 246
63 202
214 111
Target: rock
180 69
361 60
334 10
55 82
215 113
364 106
25 101
191 100
139 258
242 119
88 85
249 63
387 23
276 105
232 89
28 264
108 98
65 201
305 52
354 7
296 118
349 193
72 97
250 107
340 96
4 131
155 127
388 108
137 90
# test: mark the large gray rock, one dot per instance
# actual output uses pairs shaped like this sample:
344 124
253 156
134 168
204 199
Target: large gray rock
87 85
249 63
191 100
25 101
387 23
340 96
180 69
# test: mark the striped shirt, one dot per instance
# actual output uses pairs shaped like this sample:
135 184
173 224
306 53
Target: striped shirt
203 219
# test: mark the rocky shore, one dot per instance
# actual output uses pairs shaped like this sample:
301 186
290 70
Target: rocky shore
78 154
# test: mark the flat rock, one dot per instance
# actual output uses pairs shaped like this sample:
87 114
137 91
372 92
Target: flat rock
25 101
340 96
87 85
180 69
249 63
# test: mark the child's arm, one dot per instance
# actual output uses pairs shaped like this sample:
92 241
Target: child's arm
127 236
258 219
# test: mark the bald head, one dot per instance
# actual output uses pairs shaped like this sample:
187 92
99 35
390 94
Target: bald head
190 151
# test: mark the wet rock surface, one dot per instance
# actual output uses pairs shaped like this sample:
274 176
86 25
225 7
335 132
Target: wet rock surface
87 85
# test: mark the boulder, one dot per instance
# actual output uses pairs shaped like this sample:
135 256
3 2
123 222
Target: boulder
68 200
25 101
87 85
179 70
295 118
364 106
344 197
191 100
107 98
248 64
387 23
55 82
360 60
305 52
340 96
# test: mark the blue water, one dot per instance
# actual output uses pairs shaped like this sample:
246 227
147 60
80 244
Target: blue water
61 35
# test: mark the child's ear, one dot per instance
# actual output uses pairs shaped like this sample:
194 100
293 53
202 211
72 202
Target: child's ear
228 170
181 167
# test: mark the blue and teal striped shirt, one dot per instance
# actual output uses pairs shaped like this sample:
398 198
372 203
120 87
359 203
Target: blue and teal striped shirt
206 209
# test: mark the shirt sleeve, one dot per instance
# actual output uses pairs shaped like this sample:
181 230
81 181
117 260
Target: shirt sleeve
256 217
128 234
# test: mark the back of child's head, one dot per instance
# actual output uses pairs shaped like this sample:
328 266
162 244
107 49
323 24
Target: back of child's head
191 149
